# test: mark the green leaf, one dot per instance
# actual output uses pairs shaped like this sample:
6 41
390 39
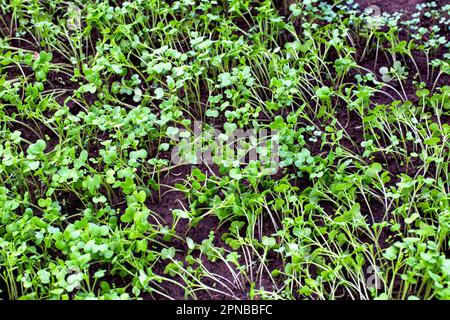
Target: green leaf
278 123
159 93
44 276
41 75
432 141
163 147
412 218
283 187
323 93
235 174
190 243
212 113
90 87
117 69
268 242
171 131
142 245
390 253
350 214
373 170
168 253
384 70
182 214
37 148
99 274
229 127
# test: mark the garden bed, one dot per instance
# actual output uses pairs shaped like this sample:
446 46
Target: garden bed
96 99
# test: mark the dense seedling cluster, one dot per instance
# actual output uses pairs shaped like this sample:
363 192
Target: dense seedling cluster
95 94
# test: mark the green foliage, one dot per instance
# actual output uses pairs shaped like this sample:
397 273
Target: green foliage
93 101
